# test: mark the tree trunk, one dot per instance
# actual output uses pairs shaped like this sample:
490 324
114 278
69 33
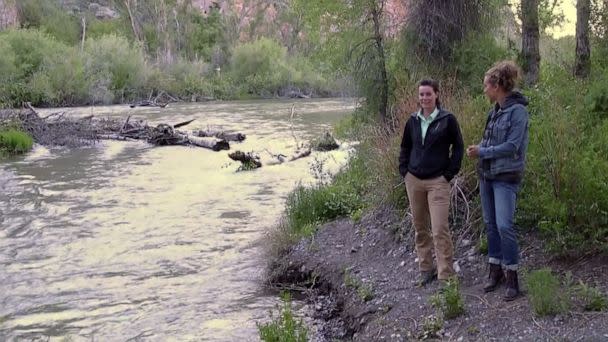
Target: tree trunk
383 104
582 65
530 51
84 33
132 20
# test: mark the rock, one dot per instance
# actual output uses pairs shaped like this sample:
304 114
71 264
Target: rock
456 267
402 264
102 12
353 250
471 258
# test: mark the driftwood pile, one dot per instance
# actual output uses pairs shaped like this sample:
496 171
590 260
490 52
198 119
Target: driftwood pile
58 130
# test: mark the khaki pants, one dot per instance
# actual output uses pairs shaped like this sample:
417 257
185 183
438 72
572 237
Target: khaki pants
430 198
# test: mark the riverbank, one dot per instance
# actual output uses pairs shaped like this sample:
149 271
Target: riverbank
362 275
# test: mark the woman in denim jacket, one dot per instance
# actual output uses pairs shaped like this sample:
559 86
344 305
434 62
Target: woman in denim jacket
502 156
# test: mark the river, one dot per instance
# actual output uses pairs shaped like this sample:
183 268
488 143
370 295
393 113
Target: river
123 241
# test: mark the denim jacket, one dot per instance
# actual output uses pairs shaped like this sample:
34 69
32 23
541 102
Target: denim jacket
505 141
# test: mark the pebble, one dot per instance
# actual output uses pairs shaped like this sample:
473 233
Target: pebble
402 263
465 243
460 339
471 258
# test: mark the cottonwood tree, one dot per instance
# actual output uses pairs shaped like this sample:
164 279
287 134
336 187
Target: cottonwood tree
530 51
435 27
582 64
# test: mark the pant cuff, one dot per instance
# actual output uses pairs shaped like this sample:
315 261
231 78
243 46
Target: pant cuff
511 267
494 261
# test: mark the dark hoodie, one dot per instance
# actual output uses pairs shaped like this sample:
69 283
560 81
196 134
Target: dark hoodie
502 151
432 158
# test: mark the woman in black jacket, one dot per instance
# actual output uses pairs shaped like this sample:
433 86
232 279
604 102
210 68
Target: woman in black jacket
431 155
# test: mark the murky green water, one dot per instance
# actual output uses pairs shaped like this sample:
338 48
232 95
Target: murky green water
125 241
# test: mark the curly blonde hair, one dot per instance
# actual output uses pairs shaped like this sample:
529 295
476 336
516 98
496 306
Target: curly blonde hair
506 74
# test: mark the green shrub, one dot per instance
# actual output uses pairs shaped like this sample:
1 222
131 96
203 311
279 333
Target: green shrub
449 300
285 327
592 298
565 187
474 56
48 16
62 79
13 141
324 202
116 67
188 78
261 65
544 293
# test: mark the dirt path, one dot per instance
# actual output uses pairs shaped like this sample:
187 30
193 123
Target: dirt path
365 289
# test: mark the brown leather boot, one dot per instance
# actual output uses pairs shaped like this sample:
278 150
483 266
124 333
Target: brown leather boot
495 277
512 286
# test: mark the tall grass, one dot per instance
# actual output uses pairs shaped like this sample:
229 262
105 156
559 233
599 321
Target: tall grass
13 141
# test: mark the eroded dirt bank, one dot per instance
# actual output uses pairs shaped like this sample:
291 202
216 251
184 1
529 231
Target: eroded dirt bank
363 278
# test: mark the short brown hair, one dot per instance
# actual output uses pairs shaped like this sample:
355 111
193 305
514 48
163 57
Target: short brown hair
505 73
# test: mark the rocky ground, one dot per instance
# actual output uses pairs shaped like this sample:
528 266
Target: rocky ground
364 289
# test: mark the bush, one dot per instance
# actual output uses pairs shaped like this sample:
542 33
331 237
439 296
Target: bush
285 327
545 293
324 202
449 300
62 79
474 56
14 141
592 297
117 68
48 16
261 65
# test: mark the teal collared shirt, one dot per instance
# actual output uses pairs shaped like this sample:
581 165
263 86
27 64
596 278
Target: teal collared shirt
425 123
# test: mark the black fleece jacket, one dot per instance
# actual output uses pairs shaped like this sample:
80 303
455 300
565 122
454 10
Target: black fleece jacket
433 158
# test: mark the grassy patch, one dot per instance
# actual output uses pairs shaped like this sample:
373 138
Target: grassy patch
14 141
545 293
284 327
431 327
591 297
364 291
449 300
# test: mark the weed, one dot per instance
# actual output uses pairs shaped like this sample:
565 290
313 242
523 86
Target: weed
285 327
544 293
431 327
592 298
449 300
364 291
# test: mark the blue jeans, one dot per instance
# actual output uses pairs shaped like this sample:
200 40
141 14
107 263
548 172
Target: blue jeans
498 206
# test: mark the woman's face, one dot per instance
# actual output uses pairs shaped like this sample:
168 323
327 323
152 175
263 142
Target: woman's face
427 97
491 90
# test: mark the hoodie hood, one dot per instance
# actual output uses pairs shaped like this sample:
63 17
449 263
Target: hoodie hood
513 98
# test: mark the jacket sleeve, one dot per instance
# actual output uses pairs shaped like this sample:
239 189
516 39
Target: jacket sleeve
513 139
457 149
406 149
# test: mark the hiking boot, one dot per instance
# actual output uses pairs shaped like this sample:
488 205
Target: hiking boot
426 277
495 277
512 286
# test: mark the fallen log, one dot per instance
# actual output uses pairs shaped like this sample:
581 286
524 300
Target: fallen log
281 158
209 142
148 103
228 136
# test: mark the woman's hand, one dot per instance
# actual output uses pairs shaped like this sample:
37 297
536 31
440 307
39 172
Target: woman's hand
473 151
